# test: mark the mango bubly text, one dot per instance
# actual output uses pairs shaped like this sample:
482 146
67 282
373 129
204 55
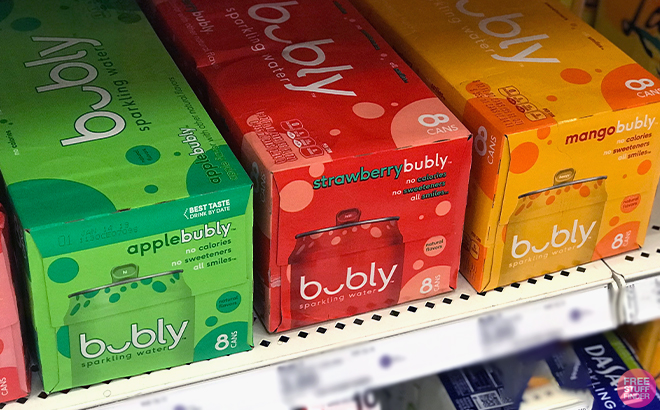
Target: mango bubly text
360 172
135 219
565 154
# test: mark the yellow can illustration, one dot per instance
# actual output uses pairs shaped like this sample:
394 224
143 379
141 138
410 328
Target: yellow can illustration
553 228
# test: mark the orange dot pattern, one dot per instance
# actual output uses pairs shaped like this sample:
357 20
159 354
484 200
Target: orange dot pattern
523 157
614 221
576 76
644 167
550 196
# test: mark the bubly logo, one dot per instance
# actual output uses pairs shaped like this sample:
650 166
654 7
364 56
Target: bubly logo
560 237
354 281
600 134
140 339
66 73
515 41
206 232
279 14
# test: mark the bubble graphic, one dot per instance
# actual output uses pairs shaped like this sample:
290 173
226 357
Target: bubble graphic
543 133
123 289
177 154
354 229
443 208
142 155
550 200
26 24
2 346
3 121
63 270
421 217
134 285
114 298
376 232
159 286
151 189
523 157
335 132
576 76
316 170
368 110
335 240
551 98
614 221
63 341
211 321
395 104
585 191
644 167
296 196
75 309
434 245
419 264
598 70
129 18
549 142
146 281
90 295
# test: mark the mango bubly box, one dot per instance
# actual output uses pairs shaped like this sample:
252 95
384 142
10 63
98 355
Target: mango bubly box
634 27
565 153
14 378
135 219
360 172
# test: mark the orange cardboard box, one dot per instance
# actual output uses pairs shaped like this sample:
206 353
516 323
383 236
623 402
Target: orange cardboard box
565 152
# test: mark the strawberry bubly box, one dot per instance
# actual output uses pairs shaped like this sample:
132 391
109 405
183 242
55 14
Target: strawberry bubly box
566 149
14 380
360 172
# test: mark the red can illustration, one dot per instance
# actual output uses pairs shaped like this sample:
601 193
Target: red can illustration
347 269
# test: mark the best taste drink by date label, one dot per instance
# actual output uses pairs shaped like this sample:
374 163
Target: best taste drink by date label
565 152
134 216
360 172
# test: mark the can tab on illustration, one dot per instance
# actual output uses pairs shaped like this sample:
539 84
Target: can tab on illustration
565 175
124 272
348 216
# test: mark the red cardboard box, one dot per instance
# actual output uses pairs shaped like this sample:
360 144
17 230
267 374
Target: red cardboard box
360 172
14 379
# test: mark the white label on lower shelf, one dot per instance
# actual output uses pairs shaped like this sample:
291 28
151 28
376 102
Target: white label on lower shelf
642 300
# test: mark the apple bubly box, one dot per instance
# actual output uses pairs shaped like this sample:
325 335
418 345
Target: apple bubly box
565 154
634 27
14 378
135 218
360 172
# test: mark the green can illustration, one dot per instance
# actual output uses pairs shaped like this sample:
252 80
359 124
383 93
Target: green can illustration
130 327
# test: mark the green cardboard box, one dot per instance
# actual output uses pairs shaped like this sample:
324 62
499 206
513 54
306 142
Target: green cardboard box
134 217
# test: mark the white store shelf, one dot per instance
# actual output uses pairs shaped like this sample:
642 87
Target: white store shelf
336 359
638 275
